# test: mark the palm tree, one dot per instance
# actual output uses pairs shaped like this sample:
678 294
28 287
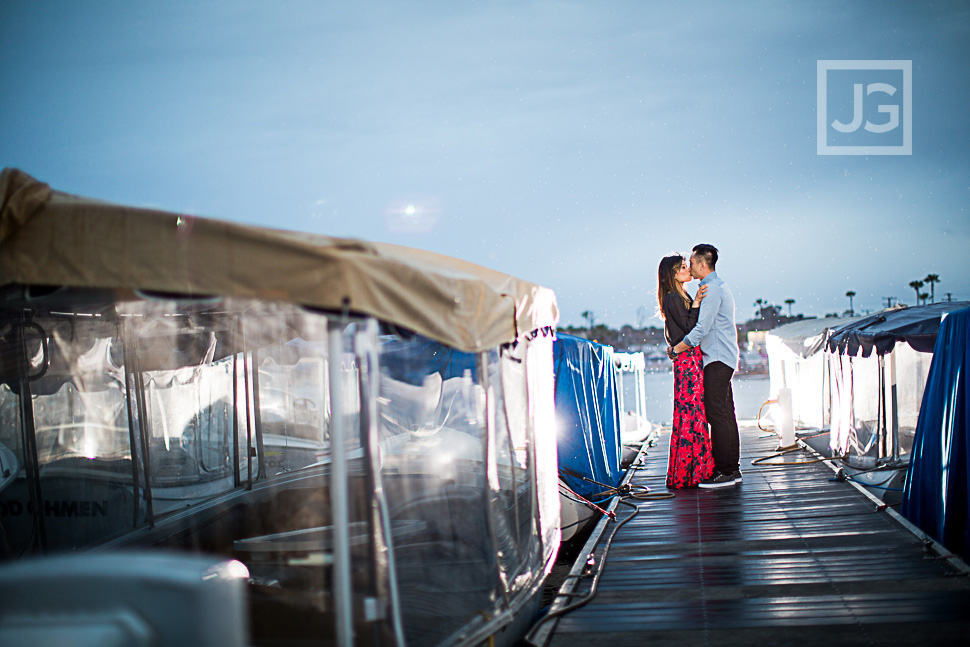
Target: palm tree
589 317
850 294
916 285
924 296
760 304
931 279
789 302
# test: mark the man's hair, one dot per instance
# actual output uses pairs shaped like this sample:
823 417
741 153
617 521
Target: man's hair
707 253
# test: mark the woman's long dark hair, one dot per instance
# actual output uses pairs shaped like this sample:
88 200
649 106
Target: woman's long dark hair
666 283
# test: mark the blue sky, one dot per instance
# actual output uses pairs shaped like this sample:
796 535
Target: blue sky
569 143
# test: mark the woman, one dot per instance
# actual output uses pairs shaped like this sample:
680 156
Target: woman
690 460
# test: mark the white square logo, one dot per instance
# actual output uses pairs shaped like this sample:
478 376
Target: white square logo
865 107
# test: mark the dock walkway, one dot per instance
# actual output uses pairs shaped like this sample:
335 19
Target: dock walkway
788 557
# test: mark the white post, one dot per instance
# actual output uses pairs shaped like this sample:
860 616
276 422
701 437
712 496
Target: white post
338 490
894 404
641 394
787 422
826 372
618 380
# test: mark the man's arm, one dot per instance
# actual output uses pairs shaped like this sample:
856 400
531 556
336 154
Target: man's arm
709 308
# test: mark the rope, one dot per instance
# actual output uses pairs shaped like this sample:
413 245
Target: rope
803 436
594 585
581 499
627 491
840 475
640 492
786 450
643 493
762 408
878 487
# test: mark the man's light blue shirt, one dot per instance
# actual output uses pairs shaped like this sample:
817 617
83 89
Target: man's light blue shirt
715 330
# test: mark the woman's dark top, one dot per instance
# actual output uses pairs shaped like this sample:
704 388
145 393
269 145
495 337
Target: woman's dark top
678 318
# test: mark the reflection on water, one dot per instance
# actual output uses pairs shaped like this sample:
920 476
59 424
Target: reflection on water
750 391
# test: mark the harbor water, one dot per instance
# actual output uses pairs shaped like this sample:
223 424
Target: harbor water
750 392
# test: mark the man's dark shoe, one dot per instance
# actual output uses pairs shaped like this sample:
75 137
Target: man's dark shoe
736 476
719 480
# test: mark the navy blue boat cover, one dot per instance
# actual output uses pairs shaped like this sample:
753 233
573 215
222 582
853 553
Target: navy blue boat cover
917 326
935 496
587 414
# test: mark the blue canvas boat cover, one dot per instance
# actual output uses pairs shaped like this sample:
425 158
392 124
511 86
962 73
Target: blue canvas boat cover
587 414
937 490
413 358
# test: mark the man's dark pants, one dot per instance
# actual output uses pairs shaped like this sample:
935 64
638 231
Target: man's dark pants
719 406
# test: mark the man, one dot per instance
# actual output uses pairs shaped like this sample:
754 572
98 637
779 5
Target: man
718 337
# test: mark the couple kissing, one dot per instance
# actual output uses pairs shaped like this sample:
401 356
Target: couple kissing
702 341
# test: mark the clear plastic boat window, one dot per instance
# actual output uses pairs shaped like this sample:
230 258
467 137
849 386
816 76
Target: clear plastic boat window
433 435
207 426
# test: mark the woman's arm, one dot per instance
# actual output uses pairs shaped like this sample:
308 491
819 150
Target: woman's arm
679 319
695 309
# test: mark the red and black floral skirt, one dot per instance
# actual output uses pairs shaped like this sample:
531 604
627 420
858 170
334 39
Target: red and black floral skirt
690 460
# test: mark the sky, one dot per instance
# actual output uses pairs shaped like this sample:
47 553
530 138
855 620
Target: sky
572 144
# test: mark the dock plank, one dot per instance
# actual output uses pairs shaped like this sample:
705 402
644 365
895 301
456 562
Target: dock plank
789 557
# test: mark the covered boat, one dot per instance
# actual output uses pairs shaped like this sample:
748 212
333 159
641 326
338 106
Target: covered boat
879 365
588 428
797 361
635 428
368 428
937 493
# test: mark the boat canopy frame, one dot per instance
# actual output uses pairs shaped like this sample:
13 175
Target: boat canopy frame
49 237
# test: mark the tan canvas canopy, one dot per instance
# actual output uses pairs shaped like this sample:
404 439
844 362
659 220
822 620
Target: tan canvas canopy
53 238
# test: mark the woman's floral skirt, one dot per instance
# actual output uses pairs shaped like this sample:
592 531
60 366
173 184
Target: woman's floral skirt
690 460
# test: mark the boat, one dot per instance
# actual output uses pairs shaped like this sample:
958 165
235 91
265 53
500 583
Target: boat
752 362
797 362
635 429
879 365
134 599
588 430
367 429
855 385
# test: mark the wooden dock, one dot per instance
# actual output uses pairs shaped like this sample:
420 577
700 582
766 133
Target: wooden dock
789 557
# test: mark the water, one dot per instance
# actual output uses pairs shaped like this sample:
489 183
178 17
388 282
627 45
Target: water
750 392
